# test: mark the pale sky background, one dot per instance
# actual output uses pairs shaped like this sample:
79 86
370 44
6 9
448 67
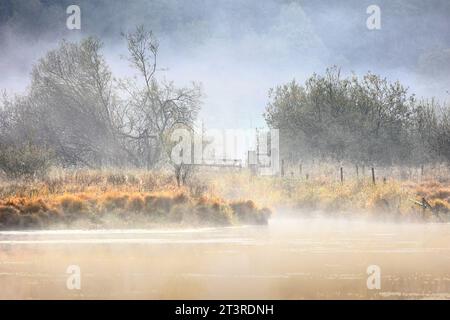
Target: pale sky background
238 50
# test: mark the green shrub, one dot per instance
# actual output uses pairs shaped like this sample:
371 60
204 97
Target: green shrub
24 161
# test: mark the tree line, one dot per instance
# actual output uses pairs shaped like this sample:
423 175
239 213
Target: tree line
364 120
76 113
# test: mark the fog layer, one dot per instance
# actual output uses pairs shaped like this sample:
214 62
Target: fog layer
240 49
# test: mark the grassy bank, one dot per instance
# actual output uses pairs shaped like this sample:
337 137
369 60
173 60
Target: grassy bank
388 198
84 198
117 199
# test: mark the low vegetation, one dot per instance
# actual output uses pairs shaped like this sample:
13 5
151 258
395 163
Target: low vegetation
100 199
395 197
93 198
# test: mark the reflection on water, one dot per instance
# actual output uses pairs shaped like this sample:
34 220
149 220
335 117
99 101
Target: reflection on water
288 259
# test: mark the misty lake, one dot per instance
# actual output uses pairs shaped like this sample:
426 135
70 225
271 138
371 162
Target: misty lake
317 258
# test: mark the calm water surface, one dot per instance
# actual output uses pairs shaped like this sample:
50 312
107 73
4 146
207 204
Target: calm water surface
288 259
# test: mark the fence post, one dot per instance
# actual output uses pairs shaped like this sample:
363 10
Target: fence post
373 175
357 171
342 175
282 167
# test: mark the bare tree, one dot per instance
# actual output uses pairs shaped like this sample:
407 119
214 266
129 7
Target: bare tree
154 106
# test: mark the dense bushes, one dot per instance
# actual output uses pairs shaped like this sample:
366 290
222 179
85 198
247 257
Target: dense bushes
24 160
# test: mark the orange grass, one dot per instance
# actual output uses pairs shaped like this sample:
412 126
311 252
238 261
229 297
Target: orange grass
66 197
97 198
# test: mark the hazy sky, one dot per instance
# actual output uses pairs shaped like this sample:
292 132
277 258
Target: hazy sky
240 49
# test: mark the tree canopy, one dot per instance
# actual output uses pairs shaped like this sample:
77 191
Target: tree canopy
363 120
